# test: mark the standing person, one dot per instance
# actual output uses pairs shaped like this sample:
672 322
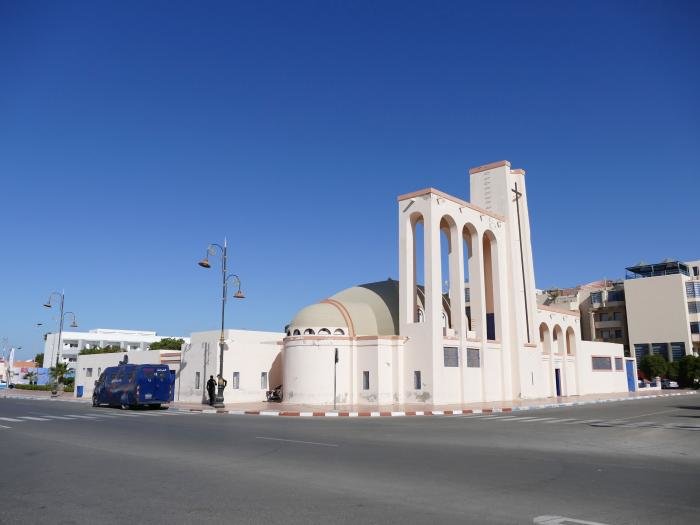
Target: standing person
211 388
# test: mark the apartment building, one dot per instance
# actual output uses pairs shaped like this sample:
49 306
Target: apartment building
654 310
663 305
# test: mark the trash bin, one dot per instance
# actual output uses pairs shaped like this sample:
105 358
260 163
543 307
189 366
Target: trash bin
79 391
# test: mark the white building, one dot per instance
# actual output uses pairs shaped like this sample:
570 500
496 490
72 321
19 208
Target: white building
663 308
412 341
73 342
252 364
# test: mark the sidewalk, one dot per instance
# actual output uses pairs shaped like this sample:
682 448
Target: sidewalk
289 409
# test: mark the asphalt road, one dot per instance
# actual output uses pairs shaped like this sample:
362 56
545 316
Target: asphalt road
630 462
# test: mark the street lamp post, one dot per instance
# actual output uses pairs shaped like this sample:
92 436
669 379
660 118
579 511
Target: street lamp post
225 277
61 318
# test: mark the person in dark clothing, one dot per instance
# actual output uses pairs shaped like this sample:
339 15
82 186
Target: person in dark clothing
211 389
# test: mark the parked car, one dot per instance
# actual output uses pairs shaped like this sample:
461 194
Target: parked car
667 383
131 386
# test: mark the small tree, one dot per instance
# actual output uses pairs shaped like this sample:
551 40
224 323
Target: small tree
653 366
39 359
31 376
689 371
673 370
58 372
168 343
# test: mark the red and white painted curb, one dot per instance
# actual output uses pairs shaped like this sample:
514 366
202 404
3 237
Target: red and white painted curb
405 413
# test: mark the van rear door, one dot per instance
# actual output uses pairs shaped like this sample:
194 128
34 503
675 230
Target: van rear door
156 384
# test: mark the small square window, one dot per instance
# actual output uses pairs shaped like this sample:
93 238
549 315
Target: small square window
473 358
618 334
618 363
236 383
365 380
197 378
263 380
88 372
417 384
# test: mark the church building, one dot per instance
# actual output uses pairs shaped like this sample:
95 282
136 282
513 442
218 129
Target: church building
461 325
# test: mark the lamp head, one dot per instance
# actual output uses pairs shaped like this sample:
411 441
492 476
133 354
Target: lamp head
239 295
74 324
204 263
47 304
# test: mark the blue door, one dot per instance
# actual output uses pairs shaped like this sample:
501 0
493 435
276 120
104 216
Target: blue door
631 380
557 378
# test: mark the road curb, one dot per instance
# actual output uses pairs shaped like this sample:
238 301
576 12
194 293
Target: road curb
414 413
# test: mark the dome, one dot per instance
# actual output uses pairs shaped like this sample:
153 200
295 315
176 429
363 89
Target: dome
367 309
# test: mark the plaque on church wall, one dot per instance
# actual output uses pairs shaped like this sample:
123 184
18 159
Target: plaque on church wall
473 358
451 354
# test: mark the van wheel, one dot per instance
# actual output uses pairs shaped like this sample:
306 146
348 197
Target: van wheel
124 405
94 401
156 406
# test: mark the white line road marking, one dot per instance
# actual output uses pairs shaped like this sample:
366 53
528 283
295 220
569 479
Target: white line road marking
3 426
561 520
526 418
82 417
559 421
538 419
10 419
59 417
648 414
296 441
501 418
32 418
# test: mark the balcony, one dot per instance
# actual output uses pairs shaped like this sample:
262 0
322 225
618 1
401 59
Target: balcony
609 324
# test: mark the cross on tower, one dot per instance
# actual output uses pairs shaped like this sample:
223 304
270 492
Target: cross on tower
519 194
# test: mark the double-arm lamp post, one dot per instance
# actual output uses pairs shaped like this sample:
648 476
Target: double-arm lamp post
61 318
215 249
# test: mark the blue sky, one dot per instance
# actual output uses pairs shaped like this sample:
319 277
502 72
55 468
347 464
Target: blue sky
132 134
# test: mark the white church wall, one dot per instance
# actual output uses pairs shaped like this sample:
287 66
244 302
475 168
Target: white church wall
249 353
492 372
601 381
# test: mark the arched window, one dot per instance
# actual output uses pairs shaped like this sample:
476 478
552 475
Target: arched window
309 331
570 341
338 331
421 315
289 333
324 331
545 339
297 332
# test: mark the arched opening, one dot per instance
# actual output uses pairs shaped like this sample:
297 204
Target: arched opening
471 287
338 331
545 341
289 333
449 278
324 331
491 286
417 240
309 331
558 340
297 332
570 341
